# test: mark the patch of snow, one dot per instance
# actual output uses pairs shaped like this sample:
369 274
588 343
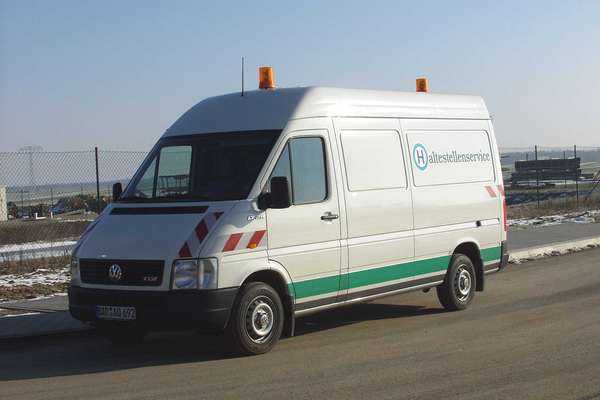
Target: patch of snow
19 315
30 250
35 245
586 217
40 276
556 249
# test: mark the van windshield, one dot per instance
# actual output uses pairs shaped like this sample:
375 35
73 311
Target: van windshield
204 167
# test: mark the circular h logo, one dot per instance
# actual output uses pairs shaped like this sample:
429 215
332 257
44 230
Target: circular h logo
115 272
420 157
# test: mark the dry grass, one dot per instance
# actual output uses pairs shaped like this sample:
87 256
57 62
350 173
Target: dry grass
30 292
29 265
17 231
550 207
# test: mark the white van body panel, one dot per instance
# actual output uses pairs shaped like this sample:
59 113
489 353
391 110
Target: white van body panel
378 212
240 244
447 213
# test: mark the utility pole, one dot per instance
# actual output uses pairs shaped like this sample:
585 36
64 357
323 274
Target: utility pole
97 182
576 175
566 175
30 150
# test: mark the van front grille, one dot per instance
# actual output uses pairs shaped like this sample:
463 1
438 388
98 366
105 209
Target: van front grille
132 272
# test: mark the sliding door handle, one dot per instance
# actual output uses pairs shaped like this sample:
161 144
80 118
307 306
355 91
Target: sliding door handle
329 216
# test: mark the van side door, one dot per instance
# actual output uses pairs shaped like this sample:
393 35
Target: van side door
305 238
378 205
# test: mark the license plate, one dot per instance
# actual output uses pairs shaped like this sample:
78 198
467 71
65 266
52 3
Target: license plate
115 312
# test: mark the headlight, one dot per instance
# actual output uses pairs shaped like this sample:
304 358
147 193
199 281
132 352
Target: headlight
195 274
207 278
75 279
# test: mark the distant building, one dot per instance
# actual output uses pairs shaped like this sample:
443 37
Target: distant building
547 170
3 207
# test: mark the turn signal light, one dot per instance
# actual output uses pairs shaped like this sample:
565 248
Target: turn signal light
422 85
265 78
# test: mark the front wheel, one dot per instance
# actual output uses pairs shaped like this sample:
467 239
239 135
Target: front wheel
458 289
256 320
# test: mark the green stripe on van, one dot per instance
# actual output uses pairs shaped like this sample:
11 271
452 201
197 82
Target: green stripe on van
315 287
398 271
330 284
491 254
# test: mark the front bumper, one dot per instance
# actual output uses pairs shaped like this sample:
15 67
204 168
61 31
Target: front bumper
190 309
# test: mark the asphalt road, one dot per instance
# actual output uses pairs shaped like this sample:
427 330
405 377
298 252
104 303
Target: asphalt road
534 333
519 239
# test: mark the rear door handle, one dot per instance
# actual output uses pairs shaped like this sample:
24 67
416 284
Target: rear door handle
329 216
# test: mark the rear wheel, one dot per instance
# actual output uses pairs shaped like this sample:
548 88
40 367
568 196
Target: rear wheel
458 289
256 320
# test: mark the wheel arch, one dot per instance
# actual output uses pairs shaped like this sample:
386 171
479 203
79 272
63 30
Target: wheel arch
471 249
278 281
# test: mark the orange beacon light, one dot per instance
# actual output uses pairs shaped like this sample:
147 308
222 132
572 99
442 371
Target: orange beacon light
265 78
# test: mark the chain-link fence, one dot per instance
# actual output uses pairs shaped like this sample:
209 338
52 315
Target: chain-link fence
552 177
48 198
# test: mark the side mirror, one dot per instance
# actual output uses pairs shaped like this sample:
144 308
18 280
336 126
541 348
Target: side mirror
117 191
279 197
280 193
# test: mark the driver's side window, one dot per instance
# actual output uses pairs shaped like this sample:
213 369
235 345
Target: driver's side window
302 162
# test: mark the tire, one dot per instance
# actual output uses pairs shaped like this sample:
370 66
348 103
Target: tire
120 335
256 320
458 289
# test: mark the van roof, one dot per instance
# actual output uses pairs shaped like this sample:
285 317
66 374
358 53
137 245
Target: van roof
272 109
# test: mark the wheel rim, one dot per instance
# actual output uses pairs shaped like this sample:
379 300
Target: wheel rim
463 282
259 319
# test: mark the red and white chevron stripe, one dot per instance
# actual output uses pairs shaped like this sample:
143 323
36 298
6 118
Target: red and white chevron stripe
245 240
492 192
193 242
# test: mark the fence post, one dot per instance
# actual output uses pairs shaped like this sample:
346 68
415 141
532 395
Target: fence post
576 175
537 178
566 175
97 182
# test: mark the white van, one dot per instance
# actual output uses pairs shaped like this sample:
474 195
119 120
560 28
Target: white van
254 209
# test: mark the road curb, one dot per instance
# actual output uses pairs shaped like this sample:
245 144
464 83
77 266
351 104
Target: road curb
552 249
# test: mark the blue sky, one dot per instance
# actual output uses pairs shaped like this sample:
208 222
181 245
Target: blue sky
116 74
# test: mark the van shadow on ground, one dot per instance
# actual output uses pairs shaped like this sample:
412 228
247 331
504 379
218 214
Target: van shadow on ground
349 315
85 353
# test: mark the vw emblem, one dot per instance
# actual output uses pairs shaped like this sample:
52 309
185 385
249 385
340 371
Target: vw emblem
115 272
